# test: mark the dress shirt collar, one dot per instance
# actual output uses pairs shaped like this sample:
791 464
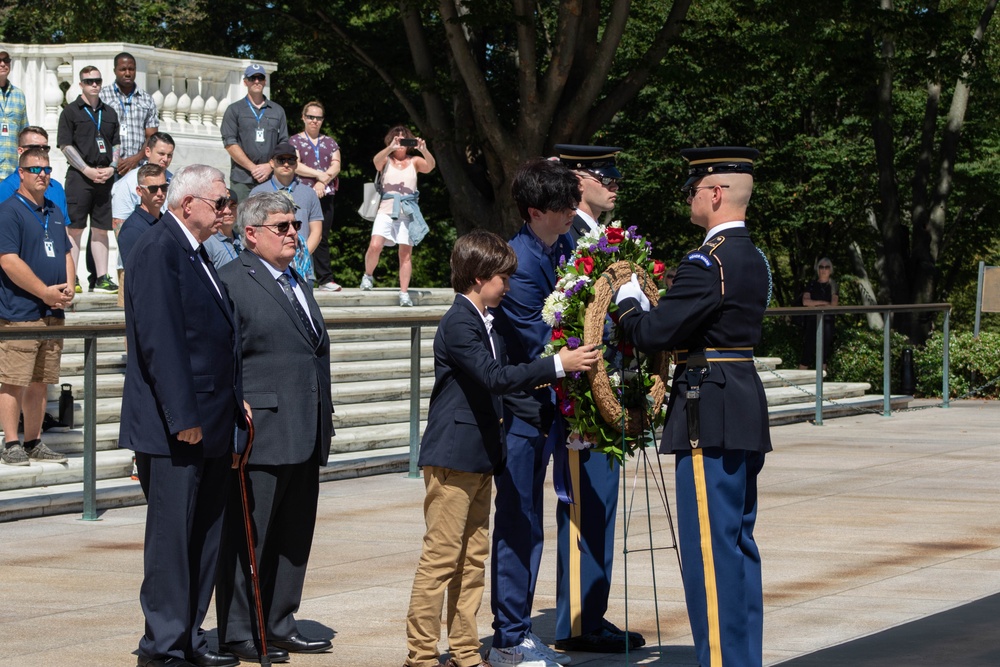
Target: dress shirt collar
723 227
486 316
589 220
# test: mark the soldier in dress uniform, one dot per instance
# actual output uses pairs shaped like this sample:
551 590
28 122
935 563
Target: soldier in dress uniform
717 423
599 182
586 527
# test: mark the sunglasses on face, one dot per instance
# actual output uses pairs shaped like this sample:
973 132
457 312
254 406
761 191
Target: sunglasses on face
606 181
318 119
5 61
690 191
38 170
219 204
287 160
92 82
44 147
281 228
256 78
825 266
153 189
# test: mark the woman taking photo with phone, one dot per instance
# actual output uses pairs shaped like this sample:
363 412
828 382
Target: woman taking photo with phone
399 208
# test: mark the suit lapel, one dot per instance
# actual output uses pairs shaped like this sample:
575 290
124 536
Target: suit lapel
259 273
221 300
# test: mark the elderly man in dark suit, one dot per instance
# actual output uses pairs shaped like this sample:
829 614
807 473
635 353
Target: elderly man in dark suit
286 371
181 408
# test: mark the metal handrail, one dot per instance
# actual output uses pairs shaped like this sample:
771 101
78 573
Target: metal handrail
886 311
414 318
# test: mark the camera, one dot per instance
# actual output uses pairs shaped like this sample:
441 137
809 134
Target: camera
409 143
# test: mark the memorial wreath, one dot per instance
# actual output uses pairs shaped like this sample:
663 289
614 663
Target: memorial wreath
616 406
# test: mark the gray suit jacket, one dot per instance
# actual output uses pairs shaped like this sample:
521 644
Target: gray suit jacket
286 379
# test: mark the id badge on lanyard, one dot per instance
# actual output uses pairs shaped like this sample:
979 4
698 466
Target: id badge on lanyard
101 146
4 130
50 249
260 135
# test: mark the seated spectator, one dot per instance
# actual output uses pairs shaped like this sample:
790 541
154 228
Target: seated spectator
284 161
223 247
151 190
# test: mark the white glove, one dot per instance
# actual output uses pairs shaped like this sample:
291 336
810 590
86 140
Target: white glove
631 290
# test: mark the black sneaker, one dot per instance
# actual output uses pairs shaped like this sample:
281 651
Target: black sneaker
14 455
42 453
105 285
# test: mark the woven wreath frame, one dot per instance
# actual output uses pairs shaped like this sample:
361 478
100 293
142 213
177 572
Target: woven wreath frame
595 316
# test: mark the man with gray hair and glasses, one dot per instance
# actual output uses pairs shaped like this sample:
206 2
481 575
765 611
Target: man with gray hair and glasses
286 379
182 412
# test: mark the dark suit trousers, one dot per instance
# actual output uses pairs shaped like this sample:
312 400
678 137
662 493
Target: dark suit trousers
283 502
185 497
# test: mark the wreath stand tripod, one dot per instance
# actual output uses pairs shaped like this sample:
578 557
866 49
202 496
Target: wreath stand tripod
632 422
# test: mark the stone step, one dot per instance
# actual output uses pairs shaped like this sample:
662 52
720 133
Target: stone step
376 413
370 391
111 464
791 413
91 302
777 396
387 369
379 350
107 363
122 491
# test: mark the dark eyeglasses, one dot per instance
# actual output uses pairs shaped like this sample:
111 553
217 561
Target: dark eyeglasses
44 147
256 77
285 159
38 170
315 118
159 187
691 191
5 61
92 82
825 266
281 228
220 204
606 181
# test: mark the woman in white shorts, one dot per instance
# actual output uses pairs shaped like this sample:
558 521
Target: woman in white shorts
399 204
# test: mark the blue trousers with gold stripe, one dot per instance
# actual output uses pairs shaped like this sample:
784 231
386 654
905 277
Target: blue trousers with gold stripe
586 544
716 511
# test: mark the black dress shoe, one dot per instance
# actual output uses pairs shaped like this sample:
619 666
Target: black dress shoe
601 640
635 640
163 662
213 659
247 650
299 644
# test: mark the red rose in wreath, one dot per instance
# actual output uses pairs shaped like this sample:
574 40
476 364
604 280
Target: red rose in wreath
557 334
615 234
585 264
659 268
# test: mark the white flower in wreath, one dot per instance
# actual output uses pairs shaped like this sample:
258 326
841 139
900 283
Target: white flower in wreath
615 380
554 303
576 442
616 223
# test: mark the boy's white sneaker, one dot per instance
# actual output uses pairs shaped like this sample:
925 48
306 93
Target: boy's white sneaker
521 656
533 642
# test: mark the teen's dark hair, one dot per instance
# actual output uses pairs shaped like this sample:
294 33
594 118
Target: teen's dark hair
480 254
546 185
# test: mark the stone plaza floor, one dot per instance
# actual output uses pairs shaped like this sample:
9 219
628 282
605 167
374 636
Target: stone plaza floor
865 523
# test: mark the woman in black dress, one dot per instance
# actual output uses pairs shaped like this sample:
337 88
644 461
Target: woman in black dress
820 292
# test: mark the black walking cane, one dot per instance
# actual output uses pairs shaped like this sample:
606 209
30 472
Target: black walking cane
251 547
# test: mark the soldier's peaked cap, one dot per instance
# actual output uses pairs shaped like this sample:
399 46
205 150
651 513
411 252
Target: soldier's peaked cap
703 162
598 159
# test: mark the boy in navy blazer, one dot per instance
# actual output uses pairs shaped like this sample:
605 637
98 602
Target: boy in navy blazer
464 444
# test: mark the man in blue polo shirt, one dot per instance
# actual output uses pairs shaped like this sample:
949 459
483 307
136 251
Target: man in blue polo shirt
36 264
34 136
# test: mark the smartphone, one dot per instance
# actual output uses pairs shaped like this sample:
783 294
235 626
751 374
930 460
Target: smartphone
409 143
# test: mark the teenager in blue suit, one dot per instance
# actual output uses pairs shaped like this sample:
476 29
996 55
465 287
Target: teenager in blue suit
463 446
717 424
181 407
546 194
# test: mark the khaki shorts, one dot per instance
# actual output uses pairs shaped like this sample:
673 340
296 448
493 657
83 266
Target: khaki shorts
25 361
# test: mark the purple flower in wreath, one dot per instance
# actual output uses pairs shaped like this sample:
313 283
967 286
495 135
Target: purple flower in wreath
576 375
593 247
558 317
632 232
572 342
605 247
562 260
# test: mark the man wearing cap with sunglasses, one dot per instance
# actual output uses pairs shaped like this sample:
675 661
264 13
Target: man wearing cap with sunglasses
35 266
717 423
13 118
88 136
251 128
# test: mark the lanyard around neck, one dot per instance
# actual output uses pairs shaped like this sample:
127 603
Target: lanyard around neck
34 212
